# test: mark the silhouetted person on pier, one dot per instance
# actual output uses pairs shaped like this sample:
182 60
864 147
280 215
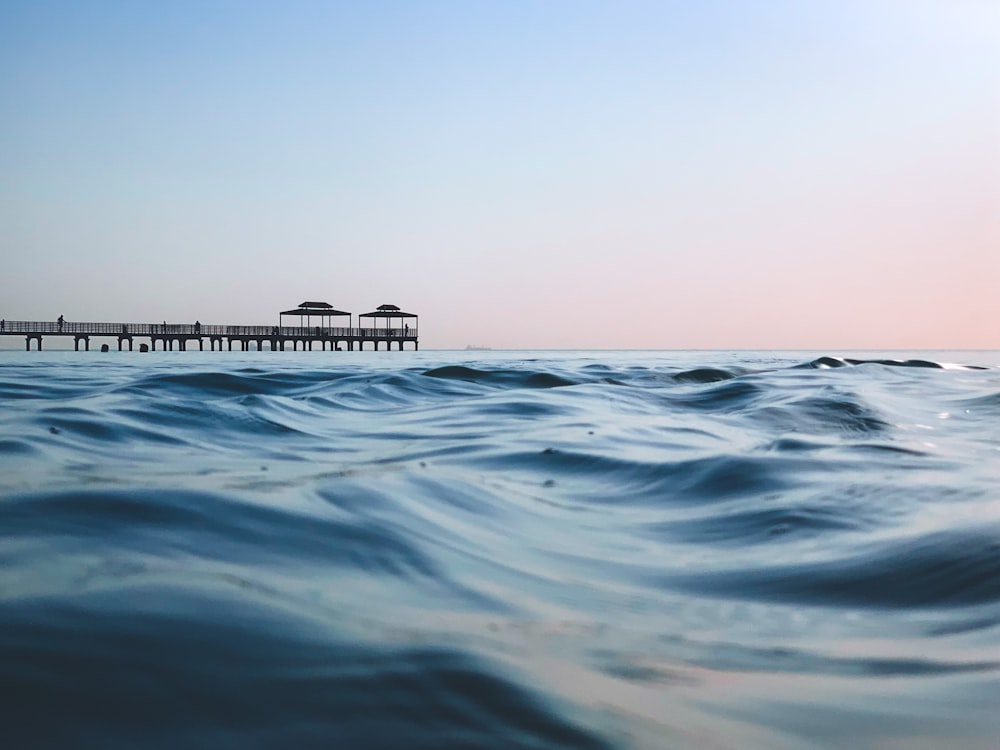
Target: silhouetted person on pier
197 326
406 329
124 328
60 320
164 326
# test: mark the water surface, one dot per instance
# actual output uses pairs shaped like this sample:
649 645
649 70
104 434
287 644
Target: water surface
500 549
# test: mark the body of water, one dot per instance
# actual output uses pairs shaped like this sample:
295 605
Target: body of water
500 550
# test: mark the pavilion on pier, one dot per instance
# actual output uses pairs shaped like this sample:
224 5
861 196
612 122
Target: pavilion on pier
309 310
391 314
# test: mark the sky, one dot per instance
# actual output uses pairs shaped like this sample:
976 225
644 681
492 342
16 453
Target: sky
549 174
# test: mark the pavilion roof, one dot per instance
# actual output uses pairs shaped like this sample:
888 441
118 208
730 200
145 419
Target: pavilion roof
387 311
304 311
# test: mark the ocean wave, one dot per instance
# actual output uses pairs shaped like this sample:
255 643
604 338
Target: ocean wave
182 667
943 569
515 378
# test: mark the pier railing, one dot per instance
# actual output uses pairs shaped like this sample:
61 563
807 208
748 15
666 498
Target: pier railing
68 328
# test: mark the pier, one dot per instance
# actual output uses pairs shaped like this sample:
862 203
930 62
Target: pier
399 328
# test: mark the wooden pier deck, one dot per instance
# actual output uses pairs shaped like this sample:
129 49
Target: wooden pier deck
246 338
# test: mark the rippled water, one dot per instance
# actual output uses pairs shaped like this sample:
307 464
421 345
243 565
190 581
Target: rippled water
499 550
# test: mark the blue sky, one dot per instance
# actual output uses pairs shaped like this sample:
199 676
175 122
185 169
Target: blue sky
521 174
